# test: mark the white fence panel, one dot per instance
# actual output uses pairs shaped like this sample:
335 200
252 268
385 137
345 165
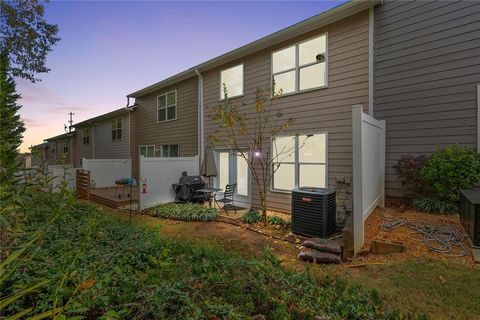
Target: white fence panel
368 170
159 174
61 174
104 172
52 167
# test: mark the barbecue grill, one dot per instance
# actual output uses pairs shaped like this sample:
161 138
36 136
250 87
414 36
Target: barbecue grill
186 189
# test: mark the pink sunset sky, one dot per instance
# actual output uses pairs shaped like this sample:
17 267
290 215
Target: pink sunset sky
110 49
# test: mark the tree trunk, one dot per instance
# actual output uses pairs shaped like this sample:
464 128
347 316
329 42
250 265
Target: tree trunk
263 200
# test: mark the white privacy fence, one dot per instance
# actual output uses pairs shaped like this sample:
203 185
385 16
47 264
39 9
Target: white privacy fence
104 172
368 170
63 175
159 174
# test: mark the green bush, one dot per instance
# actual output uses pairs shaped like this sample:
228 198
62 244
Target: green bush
251 216
184 211
435 205
451 169
116 270
277 221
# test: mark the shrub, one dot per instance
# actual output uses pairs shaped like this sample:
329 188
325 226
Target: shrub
277 221
251 216
185 212
408 172
117 270
435 205
451 169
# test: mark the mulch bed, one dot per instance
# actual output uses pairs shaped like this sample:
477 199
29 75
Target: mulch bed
413 248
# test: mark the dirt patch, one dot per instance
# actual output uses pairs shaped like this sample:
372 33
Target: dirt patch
237 237
245 242
414 247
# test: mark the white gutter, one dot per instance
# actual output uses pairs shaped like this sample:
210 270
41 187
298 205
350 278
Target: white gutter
201 141
93 139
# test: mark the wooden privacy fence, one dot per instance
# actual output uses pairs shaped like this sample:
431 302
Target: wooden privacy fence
83 184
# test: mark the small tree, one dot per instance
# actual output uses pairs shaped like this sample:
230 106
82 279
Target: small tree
248 132
11 126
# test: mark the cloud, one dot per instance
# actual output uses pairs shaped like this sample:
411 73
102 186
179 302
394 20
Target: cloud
29 122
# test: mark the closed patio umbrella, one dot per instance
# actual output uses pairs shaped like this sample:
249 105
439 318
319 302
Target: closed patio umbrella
209 167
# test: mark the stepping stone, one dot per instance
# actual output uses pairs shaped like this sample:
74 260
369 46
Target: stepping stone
385 246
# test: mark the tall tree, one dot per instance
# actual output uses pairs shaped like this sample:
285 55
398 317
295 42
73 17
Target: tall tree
26 36
11 126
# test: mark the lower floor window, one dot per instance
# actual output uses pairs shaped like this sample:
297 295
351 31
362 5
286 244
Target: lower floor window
147 151
170 150
299 161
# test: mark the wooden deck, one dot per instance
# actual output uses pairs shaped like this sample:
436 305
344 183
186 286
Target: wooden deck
113 197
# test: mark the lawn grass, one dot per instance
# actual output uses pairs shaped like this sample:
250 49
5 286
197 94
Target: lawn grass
437 288
101 267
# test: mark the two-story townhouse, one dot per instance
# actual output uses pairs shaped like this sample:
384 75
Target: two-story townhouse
427 77
414 64
60 149
107 136
166 118
321 65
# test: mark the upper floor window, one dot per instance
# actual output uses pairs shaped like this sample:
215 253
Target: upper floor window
167 106
117 129
65 147
147 151
300 161
232 79
302 66
170 150
86 136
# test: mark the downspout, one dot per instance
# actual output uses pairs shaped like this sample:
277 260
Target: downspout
93 138
371 61
201 141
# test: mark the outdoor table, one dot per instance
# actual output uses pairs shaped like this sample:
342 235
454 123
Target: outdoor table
210 192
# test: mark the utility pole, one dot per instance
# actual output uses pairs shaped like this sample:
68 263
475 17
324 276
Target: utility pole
70 122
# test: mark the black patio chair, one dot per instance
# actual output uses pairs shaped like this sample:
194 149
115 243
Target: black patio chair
228 197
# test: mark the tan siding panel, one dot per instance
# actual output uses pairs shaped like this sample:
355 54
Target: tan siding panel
426 72
325 109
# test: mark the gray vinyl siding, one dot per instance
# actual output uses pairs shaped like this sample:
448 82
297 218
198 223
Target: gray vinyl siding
83 150
328 109
427 67
58 156
182 131
105 147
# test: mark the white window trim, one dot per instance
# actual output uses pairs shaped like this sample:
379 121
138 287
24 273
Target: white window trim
147 146
297 163
116 128
297 67
243 82
169 144
166 106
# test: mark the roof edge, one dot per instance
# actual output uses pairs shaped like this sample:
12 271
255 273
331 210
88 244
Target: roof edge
322 19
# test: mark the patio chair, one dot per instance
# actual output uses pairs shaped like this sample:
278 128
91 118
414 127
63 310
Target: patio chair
228 197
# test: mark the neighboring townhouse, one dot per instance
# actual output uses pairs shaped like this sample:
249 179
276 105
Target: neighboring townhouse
167 119
107 136
60 149
427 77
